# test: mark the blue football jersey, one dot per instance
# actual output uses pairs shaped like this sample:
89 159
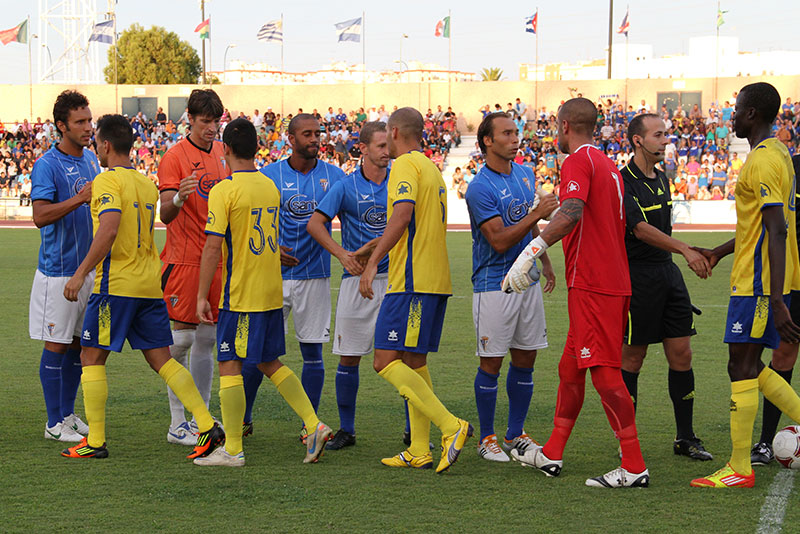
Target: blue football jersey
361 207
57 177
490 195
300 196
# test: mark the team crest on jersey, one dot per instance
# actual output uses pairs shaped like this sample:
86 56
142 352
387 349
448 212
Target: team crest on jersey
173 300
517 210
299 206
323 182
79 184
223 162
403 188
375 218
527 182
211 218
484 342
573 187
105 198
205 184
765 190
51 327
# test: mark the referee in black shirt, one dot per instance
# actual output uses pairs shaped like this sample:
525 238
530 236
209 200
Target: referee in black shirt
660 309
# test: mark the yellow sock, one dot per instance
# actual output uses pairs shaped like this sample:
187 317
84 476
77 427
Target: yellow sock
744 406
180 380
231 399
780 393
418 393
420 424
292 391
95 393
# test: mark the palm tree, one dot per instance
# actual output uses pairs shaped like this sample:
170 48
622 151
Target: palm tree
491 74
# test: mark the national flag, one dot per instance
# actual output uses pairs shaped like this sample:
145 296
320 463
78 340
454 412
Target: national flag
271 31
204 29
531 23
623 28
720 20
103 32
17 34
349 30
443 28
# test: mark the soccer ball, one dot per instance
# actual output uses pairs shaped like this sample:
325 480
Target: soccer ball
786 446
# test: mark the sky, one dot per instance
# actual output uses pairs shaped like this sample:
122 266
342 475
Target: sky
484 34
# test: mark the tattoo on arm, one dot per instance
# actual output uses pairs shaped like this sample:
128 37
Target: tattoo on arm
572 208
564 221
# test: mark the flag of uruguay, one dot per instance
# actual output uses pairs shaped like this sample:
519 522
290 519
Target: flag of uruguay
103 32
271 31
349 30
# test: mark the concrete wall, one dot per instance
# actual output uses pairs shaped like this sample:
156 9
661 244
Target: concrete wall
466 97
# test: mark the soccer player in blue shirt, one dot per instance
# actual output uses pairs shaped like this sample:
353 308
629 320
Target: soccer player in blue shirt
61 189
303 181
359 200
500 201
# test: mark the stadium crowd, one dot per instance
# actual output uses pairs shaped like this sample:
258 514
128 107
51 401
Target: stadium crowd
697 161
21 144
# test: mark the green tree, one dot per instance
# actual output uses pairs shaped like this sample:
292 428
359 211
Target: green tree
491 74
153 56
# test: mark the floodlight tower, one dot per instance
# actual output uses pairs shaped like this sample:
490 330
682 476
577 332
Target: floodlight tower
65 55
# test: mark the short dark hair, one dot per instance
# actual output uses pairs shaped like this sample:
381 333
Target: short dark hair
206 103
117 130
240 135
409 123
66 102
300 117
636 126
369 130
762 97
486 128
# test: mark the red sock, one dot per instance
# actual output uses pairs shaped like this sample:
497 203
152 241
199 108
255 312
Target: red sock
619 409
570 400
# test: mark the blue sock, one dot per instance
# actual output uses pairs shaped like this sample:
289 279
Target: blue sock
408 421
519 386
50 376
486 399
346 392
252 377
70 380
313 377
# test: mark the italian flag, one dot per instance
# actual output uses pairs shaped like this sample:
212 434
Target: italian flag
17 34
204 28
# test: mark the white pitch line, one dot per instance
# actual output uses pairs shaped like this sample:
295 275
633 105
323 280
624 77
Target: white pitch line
774 507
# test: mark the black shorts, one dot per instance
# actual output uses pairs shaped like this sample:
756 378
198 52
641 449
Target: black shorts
660 305
794 307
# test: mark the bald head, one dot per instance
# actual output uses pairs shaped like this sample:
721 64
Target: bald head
409 123
580 113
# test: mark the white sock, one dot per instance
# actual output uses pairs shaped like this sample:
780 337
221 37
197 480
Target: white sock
181 342
201 364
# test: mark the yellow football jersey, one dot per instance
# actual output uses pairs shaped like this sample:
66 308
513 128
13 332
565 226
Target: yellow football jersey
132 267
418 262
766 179
244 211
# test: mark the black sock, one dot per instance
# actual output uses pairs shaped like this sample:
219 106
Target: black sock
771 414
632 383
681 391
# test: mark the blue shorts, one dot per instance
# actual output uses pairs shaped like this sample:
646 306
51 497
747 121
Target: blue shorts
255 336
750 321
111 319
410 322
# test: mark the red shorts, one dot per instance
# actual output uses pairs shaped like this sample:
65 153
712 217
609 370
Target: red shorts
596 328
179 284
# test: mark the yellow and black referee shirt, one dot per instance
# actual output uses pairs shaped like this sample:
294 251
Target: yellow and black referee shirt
646 200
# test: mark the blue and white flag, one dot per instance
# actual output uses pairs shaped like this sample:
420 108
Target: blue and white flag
103 32
349 30
271 31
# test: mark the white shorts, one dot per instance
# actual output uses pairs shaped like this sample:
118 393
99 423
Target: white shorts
311 302
52 317
509 321
354 333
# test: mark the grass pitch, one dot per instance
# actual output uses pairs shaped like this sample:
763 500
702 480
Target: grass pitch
147 485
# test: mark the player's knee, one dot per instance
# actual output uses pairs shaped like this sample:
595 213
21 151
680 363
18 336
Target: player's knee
491 365
633 357
784 357
349 361
740 369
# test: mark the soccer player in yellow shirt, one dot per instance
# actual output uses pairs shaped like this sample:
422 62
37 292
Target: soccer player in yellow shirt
410 319
765 270
127 301
243 215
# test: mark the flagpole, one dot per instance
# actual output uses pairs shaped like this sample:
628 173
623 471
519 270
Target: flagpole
536 74
283 74
203 41
364 60
116 51
449 57
716 58
610 32
30 75
627 56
